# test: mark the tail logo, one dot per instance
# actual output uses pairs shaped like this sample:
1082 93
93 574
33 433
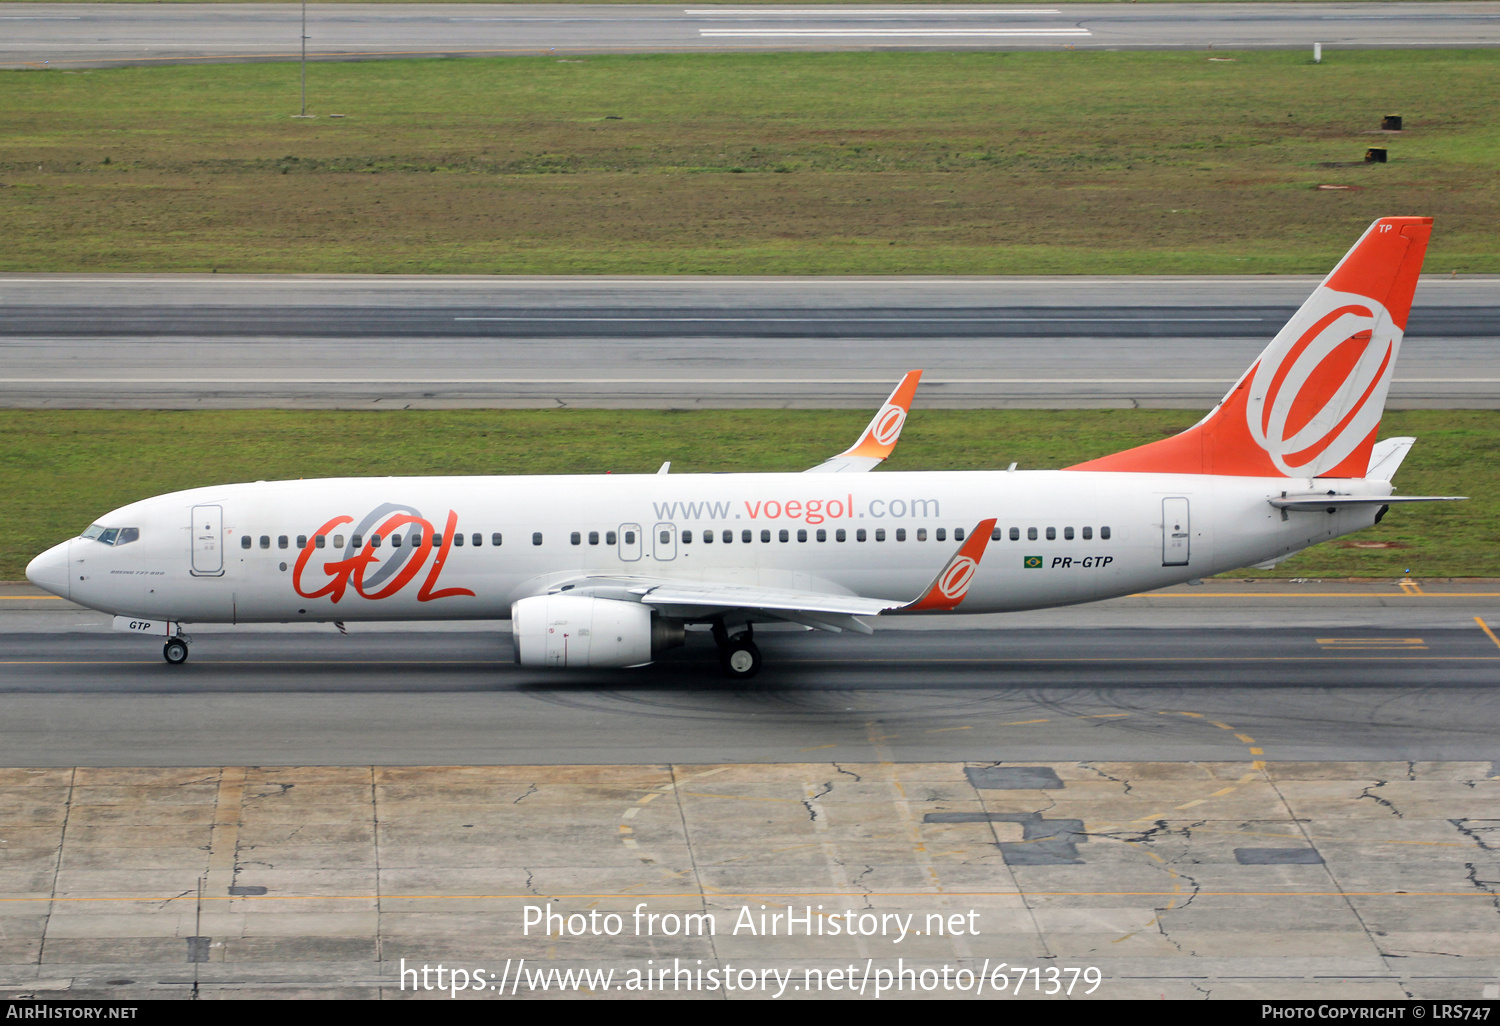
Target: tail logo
887 426
1310 409
953 585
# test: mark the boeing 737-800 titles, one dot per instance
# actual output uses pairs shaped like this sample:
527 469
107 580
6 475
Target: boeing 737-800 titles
609 570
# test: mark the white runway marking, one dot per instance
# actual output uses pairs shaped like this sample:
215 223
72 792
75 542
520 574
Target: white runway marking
824 13
160 380
827 33
875 320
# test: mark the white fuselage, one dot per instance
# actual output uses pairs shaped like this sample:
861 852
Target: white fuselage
188 563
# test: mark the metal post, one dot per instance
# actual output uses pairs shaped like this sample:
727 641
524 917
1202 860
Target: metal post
1317 53
304 113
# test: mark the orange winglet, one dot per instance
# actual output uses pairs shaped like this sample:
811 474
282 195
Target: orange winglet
949 587
879 439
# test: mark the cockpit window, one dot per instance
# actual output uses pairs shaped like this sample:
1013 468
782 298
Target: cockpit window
112 535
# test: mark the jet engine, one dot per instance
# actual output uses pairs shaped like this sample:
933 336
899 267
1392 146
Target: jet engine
575 630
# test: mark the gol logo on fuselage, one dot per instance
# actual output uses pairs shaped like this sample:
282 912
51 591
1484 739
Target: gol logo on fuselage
408 541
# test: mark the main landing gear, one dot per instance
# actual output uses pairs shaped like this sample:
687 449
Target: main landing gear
738 656
175 651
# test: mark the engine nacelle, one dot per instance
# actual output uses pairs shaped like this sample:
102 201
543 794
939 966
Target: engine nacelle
575 630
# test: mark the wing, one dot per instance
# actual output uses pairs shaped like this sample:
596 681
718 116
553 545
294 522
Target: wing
827 611
880 436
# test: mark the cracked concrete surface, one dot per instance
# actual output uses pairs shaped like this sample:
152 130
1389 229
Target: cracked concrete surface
1128 867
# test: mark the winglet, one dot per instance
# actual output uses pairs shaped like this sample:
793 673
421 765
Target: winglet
950 586
880 436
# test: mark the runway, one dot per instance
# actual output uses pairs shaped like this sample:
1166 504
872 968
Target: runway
1332 672
357 342
103 34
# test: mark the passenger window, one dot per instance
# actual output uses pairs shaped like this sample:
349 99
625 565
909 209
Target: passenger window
1104 533
1015 534
265 541
629 537
437 541
921 534
880 534
301 541
765 536
358 541
860 535
996 534
901 534
728 537
128 535
666 537
787 537
838 535
746 536
536 537
942 534
593 537
496 538
1031 534
958 534
321 541
1067 534
374 541
687 537
338 541
576 538
416 541
1052 534
245 541
396 541
1088 532
458 540
708 537
609 537
281 541
802 534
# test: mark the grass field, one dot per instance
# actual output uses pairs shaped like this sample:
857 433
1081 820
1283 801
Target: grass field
1081 162
61 469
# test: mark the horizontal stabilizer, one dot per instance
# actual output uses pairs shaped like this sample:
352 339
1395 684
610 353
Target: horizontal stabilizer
1386 457
1318 503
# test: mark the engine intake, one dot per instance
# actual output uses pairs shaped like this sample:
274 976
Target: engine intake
575 630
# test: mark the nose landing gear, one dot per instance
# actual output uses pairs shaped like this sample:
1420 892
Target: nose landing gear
739 657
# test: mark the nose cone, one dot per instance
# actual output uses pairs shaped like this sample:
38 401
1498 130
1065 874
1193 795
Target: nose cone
49 571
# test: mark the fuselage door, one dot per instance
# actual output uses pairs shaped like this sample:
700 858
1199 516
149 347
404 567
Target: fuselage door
630 542
208 541
1176 536
664 541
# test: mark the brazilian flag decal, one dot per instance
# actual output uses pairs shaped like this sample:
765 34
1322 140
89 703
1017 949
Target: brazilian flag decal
1033 563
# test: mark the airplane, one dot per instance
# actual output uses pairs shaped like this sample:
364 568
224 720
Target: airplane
610 570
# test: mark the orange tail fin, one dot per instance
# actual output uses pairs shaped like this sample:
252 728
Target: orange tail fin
1311 404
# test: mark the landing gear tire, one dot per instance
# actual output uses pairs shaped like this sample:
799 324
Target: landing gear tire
740 658
175 651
